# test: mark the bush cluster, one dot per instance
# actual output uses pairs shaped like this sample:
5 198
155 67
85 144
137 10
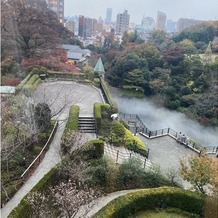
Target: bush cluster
147 199
119 136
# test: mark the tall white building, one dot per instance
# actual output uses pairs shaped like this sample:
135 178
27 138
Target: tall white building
122 23
161 20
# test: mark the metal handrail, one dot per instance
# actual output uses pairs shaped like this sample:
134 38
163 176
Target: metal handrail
49 139
143 130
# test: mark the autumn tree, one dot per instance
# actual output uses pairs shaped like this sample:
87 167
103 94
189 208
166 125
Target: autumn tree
173 55
201 172
34 27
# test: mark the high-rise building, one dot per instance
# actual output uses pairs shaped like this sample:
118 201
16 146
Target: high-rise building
81 29
88 27
161 20
184 23
122 24
108 15
58 7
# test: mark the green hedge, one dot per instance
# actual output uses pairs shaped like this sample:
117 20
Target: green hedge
134 143
98 109
107 93
147 199
76 76
29 84
72 123
23 210
24 81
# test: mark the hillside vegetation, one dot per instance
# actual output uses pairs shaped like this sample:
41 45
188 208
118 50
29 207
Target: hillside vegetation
179 73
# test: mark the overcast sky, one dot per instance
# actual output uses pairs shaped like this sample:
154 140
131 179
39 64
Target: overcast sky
174 9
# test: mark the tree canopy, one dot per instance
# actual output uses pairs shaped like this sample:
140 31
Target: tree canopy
32 27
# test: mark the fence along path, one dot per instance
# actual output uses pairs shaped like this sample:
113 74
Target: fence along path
121 154
137 125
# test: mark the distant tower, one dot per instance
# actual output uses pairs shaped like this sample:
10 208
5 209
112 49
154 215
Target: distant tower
184 23
58 7
161 20
108 15
122 22
81 29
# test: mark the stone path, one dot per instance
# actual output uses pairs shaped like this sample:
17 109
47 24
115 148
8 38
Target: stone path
57 94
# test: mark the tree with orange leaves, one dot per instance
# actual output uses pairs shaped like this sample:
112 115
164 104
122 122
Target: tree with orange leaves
201 171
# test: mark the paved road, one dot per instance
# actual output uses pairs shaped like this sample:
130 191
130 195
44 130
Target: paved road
57 94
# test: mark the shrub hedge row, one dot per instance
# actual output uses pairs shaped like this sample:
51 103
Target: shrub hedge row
98 109
23 210
148 199
24 81
29 85
76 76
134 143
107 94
72 123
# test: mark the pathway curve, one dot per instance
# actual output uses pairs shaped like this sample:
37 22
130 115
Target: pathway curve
57 93
100 203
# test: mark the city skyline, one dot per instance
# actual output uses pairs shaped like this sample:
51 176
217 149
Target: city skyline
195 9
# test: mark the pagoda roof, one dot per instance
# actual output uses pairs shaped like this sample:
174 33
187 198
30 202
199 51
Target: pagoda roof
99 67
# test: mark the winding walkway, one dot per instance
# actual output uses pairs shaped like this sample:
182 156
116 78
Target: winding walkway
71 93
100 203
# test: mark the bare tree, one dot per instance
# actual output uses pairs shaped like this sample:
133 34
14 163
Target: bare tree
63 200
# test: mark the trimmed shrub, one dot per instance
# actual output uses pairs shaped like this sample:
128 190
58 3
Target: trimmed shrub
72 123
97 114
23 82
134 143
148 199
31 84
76 76
43 70
35 70
99 109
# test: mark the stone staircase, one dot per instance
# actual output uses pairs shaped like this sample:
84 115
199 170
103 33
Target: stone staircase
87 124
